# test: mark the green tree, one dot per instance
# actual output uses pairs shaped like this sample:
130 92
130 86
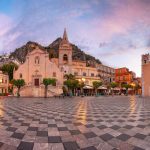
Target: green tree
96 85
9 69
126 86
81 85
113 85
72 84
137 88
47 82
69 76
18 83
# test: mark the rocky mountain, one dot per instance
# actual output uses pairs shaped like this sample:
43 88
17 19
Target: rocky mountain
52 49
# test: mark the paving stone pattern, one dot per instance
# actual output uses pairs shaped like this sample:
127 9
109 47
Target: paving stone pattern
88 123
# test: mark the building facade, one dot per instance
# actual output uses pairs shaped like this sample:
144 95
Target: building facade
146 75
37 67
124 76
106 73
76 67
4 83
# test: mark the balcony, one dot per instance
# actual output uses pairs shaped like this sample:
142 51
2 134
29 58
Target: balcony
87 77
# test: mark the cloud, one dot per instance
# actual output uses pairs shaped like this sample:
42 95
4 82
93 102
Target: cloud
104 28
5 24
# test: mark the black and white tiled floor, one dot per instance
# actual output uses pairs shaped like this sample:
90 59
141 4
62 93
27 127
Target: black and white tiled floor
89 123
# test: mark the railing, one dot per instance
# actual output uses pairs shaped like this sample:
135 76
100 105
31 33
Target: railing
87 77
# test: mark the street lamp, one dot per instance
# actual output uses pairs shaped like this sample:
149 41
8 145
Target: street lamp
83 79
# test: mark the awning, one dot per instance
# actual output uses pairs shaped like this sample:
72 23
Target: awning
102 88
116 89
87 87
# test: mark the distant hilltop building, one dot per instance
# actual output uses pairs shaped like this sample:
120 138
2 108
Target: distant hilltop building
6 59
146 75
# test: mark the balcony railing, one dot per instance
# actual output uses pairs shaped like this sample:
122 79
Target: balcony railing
87 77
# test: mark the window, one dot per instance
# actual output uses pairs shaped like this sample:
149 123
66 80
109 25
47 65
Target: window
145 61
5 81
65 57
110 80
20 75
54 74
84 73
92 74
75 73
37 60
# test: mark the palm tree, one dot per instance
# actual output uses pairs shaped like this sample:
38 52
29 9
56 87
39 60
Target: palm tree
18 83
96 85
47 82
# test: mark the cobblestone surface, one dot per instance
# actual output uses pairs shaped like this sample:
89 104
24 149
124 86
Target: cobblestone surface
88 123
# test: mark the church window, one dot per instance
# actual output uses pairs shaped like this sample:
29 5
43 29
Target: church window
20 75
65 57
54 74
37 60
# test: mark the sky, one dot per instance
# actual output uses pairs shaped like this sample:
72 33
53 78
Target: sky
115 31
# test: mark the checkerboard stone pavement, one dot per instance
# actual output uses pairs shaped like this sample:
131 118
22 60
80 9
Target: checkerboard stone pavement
88 123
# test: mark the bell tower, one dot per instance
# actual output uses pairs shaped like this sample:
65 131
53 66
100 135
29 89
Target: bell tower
65 54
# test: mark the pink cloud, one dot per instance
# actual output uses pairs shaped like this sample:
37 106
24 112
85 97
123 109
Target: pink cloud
124 17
